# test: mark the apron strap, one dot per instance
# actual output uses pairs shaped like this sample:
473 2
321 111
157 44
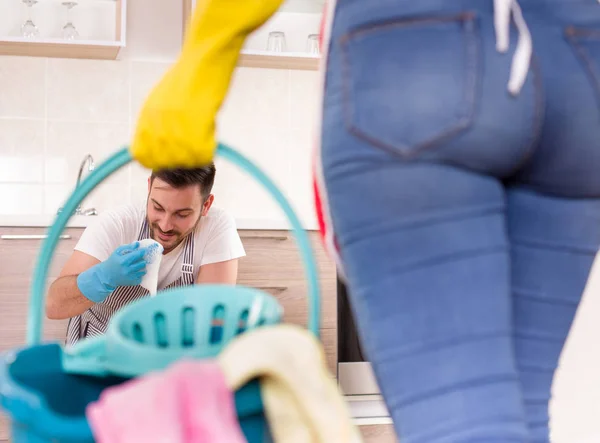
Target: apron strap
187 264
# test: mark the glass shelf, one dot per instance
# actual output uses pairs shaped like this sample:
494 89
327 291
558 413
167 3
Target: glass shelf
99 23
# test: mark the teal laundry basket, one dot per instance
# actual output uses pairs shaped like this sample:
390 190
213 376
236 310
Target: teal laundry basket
45 388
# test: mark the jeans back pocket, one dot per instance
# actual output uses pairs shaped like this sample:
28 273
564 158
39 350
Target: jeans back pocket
411 83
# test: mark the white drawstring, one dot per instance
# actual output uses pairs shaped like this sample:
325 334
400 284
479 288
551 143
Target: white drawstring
522 56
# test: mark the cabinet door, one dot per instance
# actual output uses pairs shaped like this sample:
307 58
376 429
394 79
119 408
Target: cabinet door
18 257
378 433
273 264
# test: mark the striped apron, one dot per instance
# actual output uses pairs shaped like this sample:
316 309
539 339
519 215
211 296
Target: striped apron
95 320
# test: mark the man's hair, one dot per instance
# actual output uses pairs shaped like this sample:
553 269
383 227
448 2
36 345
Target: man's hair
182 177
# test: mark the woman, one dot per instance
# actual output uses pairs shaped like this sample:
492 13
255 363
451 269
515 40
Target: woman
457 178
466 210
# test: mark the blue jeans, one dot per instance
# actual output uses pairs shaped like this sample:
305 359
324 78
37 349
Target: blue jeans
467 219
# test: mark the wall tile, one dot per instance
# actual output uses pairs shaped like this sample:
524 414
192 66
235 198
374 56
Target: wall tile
88 90
23 137
144 76
21 199
138 186
108 196
68 143
257 97
104 197
24 169
240 193
23 81
237 193
299 186
304 99
268 148
55 197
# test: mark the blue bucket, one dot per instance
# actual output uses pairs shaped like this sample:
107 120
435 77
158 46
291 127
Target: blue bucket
35 378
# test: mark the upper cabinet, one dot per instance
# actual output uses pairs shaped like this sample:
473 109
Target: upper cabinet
60 28
289 40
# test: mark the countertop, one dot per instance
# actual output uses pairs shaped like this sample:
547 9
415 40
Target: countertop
78 221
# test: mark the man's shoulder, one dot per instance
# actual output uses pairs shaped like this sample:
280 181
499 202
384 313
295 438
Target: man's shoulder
216 220
218 239
217 213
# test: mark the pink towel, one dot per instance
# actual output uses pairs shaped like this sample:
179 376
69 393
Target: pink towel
187 403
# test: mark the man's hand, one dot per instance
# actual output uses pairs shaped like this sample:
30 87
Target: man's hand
176 126
125 267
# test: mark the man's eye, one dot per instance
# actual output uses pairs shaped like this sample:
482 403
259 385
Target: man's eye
158 209
183 215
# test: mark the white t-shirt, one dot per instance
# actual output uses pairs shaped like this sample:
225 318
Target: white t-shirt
215 239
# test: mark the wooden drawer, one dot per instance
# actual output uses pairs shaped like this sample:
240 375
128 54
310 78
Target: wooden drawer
4 428
378 433
273 264
17 260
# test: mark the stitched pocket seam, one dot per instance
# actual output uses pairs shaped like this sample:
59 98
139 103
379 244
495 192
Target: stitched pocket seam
573 35
472 68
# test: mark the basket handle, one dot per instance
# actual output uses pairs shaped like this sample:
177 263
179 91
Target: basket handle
114 163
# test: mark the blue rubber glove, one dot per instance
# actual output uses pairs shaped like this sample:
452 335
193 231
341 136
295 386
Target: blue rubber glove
125 267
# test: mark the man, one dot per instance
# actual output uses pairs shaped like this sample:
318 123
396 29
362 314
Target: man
201 245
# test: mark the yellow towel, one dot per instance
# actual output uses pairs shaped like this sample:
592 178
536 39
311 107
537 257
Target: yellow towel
176 126
302 401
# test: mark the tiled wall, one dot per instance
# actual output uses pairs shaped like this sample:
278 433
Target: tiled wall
55 111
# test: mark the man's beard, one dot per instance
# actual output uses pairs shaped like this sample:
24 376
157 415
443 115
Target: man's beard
178 237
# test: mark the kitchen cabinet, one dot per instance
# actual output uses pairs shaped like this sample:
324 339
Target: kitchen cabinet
378 433
94 29
272 263
297 20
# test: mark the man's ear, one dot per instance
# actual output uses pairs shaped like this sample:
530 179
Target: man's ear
207 204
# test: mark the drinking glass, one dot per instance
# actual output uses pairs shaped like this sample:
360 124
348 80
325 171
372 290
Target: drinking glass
29 29
69 31
276 41
312 44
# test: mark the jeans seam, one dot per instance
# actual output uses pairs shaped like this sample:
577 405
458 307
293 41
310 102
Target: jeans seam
433 434
539 244
472 81
534 368
394 272
547 338
409 351
473 383
571 34
393 225
535 296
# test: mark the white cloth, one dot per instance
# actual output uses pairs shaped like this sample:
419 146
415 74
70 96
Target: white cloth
215 240
153 258
503 9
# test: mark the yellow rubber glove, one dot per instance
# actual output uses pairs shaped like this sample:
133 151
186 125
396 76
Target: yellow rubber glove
176 126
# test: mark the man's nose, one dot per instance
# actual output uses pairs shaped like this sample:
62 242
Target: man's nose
165 224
